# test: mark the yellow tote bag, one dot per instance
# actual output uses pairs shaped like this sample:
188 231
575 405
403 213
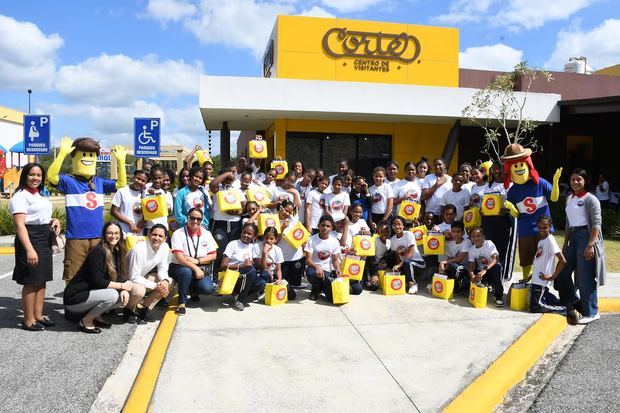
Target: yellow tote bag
203 156
409 210
443 287
259 195
227 280
275 294
393 283
296 235
364 245
478 295
353 267
434 244
381 275
229 199
491 204
280 166
472 218
419 233
257 148
340 290
131 240
268 220
154 207
518 296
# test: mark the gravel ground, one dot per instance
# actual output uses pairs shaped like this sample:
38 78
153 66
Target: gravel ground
587 380
60 369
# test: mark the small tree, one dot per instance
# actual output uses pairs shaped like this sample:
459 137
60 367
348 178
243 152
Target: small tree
499 110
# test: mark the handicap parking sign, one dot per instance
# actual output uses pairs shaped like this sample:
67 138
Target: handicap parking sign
37 134
146 137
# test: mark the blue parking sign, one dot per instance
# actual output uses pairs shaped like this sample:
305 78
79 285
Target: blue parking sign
146 137
37 134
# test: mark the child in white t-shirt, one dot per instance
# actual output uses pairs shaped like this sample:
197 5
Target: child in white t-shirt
314 207
543 271
322 259
483 264
154 188
407 258
126 206
382 197
454 262
379 261
337 202
458 196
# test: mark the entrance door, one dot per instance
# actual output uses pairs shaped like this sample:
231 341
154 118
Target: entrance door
325 150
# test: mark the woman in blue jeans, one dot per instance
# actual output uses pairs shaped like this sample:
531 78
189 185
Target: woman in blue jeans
194 249
584 253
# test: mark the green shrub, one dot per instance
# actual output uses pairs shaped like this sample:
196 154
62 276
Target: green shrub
7 227
611 224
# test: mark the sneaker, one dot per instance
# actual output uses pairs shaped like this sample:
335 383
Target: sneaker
499 303
429 288
413 289
300 286
237 305
180 311
131 318
572 317
586 320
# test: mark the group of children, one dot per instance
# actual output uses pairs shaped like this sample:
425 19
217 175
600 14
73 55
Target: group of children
334 209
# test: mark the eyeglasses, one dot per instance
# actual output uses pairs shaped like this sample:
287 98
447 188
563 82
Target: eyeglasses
194 218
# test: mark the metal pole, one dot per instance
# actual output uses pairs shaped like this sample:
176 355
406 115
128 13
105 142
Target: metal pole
29 93
224 145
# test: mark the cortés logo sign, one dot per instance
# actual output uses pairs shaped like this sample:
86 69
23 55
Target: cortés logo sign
472 294
259 195
354 269
469 216
279 169
258 147
151 205
438 285
490 203
365 244
298 234
230 198
270 222
372 51
396 284
433 243
281 294
409 209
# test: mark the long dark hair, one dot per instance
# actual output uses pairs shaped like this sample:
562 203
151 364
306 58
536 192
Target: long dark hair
24 176
114 272
579 171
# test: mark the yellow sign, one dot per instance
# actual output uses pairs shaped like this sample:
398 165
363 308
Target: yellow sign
362 51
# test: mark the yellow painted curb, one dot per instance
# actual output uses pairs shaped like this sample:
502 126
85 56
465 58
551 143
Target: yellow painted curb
7 250
609 305
143 387
490 388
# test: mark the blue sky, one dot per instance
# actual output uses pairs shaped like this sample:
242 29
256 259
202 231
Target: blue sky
95 65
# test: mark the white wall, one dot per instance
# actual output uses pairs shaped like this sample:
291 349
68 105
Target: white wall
10 134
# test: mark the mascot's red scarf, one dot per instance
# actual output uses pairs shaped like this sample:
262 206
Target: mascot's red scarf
528 161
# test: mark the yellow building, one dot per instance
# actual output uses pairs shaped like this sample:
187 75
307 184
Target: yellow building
363 91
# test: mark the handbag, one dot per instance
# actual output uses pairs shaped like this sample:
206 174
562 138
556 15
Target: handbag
434 244
409 210
296 235
353 267
340 290
442 286
259 195
227 280
280 166
154 207
266 220
472 218
364 245
229 199
419 232
257 148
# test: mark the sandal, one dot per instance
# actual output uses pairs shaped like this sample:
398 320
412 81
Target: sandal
33 327
88 330
46 322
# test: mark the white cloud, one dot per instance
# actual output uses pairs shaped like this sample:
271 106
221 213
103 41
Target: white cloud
495 57
510 14
345 6
186 120
316 11
170 10
119 79
601 45
27 55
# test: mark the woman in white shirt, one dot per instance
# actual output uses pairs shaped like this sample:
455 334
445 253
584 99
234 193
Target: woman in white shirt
149 286
408 188
406 255
35 229
434 186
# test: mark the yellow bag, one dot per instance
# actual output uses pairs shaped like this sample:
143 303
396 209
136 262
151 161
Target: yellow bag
518 296
394 283
203 156
478 295
381 275
154 207
275 294
296 235
229 199
434 244
364 245
280 166
409 210
340 290
227 281
485 168
259 195
419 233
491 204
268 220
472 218
131 240
443 287
257 148
353 267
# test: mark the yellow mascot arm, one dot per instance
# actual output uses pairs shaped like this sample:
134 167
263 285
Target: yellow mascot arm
513 210
66 147
120 153
555 192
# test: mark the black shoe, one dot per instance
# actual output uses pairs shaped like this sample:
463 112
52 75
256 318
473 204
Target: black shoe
144 314
102 323
180 311
194 297
162 303
46 322
89 330
572 317
237 305
33 327
130 317
252 297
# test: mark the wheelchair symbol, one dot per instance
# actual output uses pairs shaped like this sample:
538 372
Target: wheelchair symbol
145 137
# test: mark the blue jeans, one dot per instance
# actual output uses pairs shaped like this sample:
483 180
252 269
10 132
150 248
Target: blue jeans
585 274
184 276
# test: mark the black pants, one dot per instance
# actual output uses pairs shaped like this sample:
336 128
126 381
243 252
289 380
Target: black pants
502 230
493 277
293 271
224 232
542 301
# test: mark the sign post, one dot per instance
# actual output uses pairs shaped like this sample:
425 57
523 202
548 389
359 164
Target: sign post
146 137
37 134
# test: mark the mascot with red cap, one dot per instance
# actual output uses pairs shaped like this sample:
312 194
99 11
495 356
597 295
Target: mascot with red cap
528 198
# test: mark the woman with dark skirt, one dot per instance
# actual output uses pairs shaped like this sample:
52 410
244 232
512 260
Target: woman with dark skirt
35 232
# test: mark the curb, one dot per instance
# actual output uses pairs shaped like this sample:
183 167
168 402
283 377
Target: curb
139 396
609 305
490 388
7 250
